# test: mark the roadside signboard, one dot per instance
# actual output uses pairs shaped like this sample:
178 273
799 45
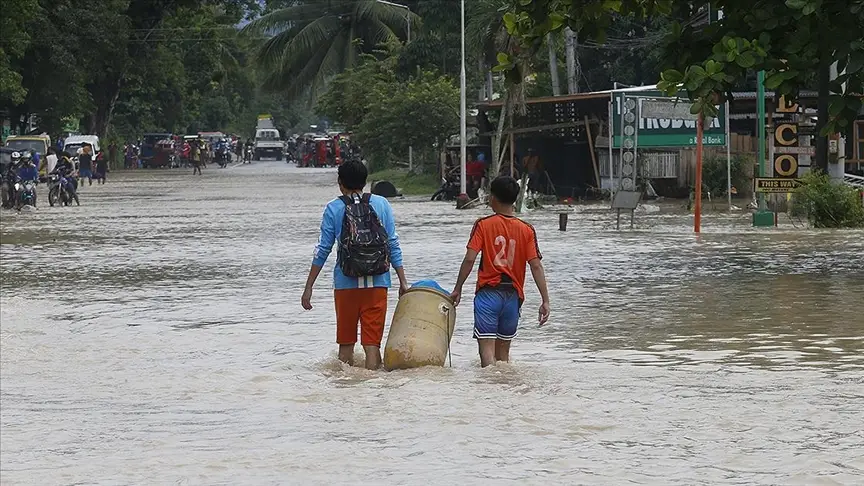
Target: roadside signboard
776 184
666 122
788 151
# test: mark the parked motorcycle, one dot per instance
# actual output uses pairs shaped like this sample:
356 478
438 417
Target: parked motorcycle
449 189
61 189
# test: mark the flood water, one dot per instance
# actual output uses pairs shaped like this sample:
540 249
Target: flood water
154 335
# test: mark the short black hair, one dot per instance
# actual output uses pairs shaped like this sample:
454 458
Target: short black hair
352 175
505 189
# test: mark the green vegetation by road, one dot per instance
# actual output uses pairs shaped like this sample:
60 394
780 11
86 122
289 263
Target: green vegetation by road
408 184
827 204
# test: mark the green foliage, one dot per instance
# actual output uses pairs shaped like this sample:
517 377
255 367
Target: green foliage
313 40
13 44
827 204
124 67
388 115
790 40
714 174
348 98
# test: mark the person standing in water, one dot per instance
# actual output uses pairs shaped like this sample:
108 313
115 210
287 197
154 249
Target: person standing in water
85 165
195 154
506 245
101 168
362 274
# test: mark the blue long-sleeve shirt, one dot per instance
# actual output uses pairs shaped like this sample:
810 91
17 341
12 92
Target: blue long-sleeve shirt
331 229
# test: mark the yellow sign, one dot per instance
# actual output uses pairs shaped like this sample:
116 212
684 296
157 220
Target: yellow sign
786 161
786 134
776 184
786 165
785 106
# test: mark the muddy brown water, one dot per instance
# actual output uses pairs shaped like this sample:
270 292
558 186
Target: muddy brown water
154 336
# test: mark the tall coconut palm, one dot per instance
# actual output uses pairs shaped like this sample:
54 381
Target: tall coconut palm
312 40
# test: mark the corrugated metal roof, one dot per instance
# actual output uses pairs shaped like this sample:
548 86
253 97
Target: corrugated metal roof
751 95
574 97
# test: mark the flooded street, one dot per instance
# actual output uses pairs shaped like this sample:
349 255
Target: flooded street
154 335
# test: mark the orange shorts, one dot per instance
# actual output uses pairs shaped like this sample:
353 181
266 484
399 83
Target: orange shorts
366 306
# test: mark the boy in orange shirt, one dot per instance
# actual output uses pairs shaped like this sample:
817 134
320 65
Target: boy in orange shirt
506 245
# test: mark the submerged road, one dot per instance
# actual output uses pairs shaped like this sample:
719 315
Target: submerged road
154 335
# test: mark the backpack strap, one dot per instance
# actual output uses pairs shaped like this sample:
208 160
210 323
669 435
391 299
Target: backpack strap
367 197
348 200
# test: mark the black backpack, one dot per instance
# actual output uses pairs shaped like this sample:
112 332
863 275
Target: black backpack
363 245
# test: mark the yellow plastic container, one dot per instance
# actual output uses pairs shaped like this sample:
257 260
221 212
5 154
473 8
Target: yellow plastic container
421 330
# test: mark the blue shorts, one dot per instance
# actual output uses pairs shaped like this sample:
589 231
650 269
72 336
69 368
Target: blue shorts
496 313
85 173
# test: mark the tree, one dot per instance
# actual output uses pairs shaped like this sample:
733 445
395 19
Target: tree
387 115
791 41
313 40
13 44
349 96
421 113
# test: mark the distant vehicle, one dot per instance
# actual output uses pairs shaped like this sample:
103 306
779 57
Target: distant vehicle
155 148
74 143
268 140
33 143
211 137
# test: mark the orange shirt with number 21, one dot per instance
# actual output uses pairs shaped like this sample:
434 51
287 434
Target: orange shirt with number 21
506 244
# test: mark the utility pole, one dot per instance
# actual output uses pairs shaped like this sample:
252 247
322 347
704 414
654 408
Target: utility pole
570 50
463 116
553 64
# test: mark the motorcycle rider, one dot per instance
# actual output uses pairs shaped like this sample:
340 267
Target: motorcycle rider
22 170
27 170
221 150
65 168
250 146
9 175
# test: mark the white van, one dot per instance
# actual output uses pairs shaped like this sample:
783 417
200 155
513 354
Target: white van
74 143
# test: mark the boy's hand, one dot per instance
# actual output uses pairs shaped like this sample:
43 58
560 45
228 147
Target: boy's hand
456 295
403 287
306 300
544 313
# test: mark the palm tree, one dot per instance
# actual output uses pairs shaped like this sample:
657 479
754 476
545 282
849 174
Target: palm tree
311 41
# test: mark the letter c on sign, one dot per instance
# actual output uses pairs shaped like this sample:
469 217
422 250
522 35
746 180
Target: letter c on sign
780 131
786 165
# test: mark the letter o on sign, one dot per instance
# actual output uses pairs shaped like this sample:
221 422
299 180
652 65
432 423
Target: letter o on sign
786 165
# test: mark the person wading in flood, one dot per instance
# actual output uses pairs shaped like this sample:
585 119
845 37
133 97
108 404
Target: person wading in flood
85 165
195 152
507 244
368 244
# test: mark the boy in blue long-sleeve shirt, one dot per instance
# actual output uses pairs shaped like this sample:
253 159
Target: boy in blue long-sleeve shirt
360 299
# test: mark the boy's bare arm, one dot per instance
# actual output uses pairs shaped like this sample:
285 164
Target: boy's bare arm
539 275
464 272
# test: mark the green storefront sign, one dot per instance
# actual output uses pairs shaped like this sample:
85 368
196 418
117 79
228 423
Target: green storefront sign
655 132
